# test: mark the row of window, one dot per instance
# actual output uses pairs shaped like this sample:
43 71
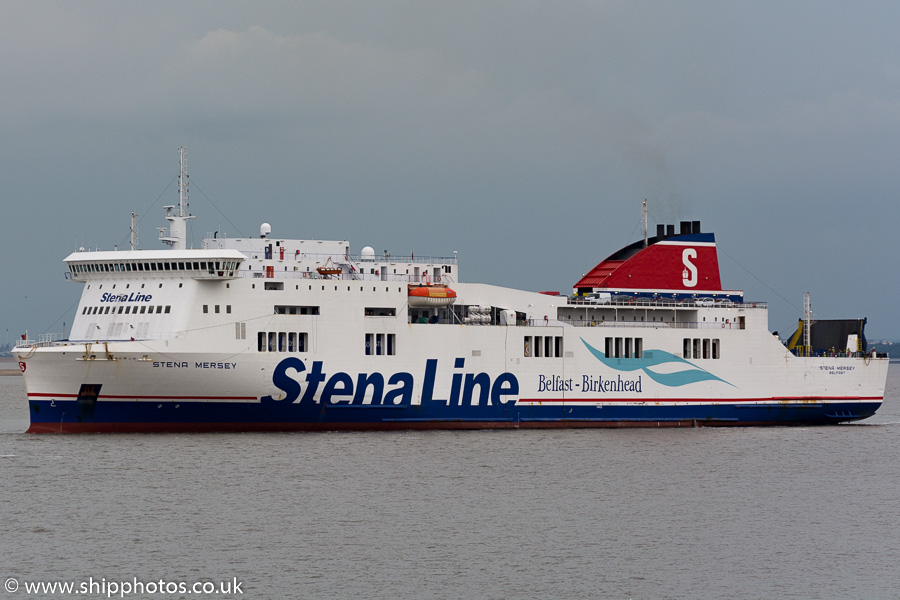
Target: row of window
296 310
381 343
624 347
126 309
130 267
216 309
701 348
370 311
376 344
543 346
280 341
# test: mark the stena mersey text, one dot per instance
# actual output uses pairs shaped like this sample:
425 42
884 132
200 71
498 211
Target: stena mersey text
470 389
183 364
132 297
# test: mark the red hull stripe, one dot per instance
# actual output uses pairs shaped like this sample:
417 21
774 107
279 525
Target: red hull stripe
704 400
524 400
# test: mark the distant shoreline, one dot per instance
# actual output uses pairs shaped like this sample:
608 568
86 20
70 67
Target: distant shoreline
8 366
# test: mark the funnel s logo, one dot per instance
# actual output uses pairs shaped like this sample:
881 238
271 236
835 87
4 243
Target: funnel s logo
689 275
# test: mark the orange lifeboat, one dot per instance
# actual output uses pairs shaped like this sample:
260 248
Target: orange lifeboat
329 269
429 296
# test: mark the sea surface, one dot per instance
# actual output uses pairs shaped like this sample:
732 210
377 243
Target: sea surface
789 512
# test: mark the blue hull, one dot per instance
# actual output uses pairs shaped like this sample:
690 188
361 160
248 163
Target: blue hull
72 416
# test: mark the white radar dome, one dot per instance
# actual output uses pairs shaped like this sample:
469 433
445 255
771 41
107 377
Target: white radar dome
368 253
264 230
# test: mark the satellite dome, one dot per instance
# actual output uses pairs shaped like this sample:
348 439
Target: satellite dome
368 253
264 230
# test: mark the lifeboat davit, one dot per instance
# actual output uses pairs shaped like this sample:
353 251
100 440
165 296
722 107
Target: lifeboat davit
426 296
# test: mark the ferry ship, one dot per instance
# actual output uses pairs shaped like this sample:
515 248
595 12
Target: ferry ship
275 334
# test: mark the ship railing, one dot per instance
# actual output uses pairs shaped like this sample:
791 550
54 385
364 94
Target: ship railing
357 259
640 324
546 322
347 276
48 338
45 339
627 324
834 353
632 302
61 339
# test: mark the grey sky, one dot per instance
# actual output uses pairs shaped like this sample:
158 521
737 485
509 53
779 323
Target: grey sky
522 134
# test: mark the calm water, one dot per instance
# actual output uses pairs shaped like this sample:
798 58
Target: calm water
699 513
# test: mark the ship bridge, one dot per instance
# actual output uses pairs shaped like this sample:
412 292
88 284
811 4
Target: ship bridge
190 264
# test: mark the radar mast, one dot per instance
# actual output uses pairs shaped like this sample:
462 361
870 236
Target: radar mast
176 236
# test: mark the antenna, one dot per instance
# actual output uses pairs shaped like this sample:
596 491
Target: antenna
644 220
182 181
807 323
134 231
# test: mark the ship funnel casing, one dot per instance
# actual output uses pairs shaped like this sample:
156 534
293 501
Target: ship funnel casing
685 263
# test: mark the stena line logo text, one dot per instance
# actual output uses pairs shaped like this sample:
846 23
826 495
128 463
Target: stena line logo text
316 385
689 274
132 297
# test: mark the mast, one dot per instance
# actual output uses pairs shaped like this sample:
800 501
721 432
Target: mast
807 323
644 220
134 231
176 236
182 181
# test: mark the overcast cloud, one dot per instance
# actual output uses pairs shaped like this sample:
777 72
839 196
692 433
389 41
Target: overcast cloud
522 134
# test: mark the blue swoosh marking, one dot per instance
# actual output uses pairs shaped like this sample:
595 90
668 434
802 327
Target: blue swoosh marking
652 358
